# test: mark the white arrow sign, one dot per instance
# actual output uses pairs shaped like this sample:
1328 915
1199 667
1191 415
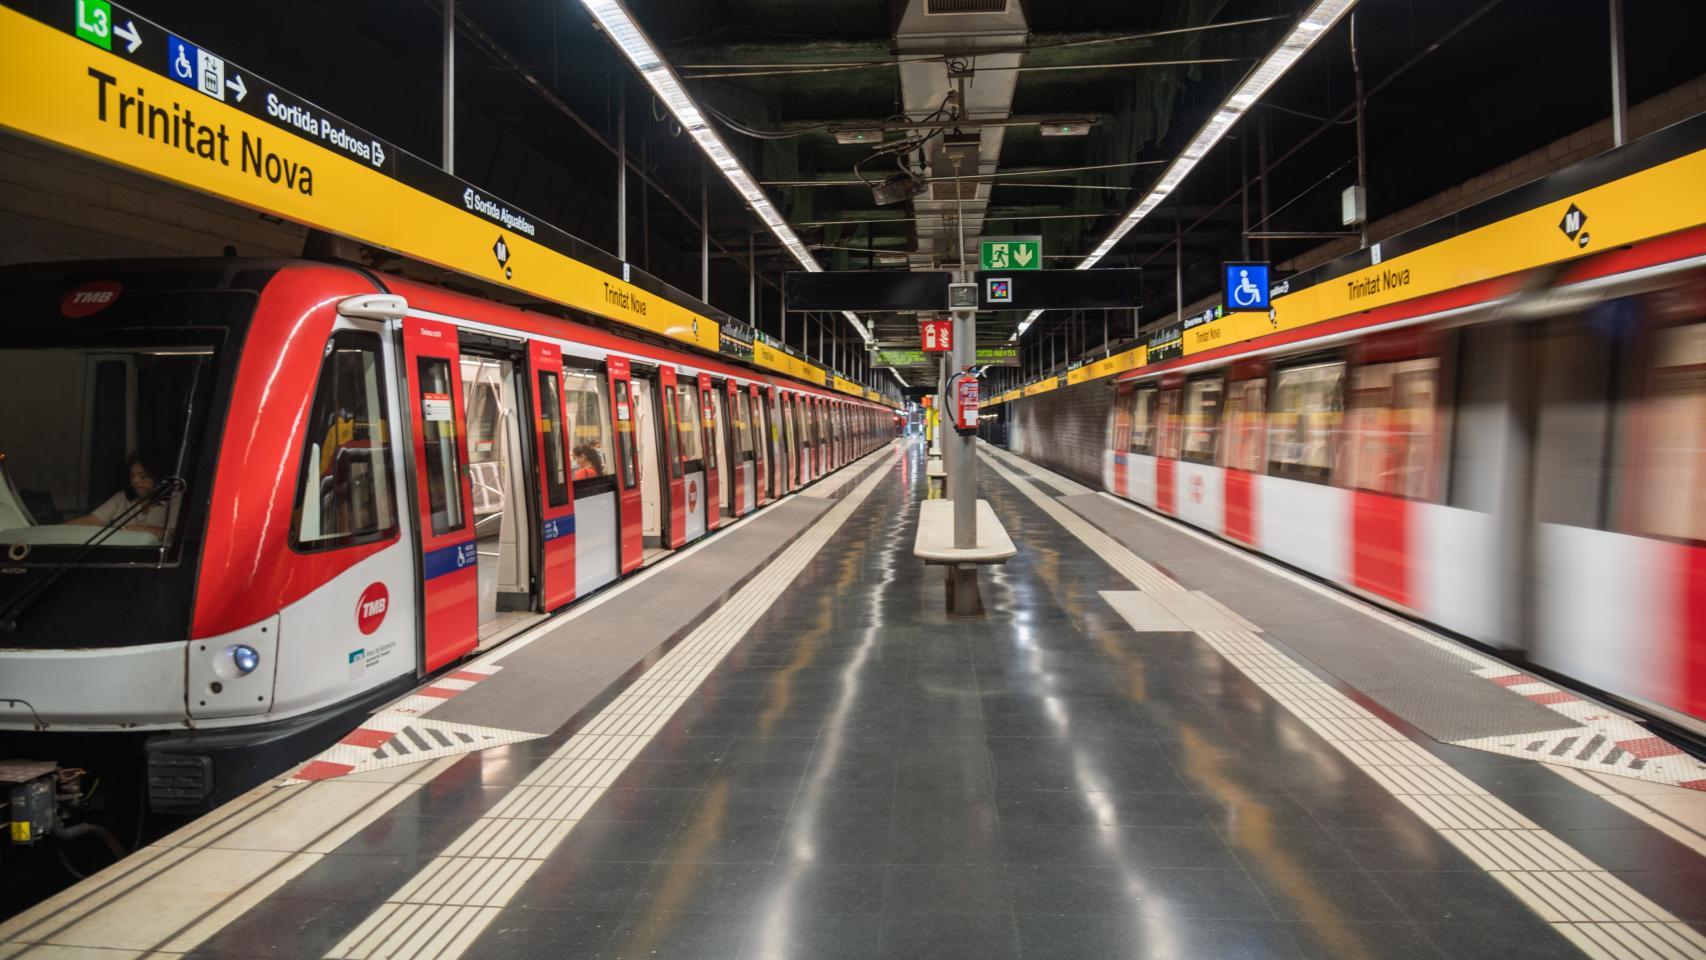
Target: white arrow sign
129 35
378 154
1023 254
236 83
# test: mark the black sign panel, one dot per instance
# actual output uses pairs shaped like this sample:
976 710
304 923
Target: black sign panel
867 290
1058 289
1166 343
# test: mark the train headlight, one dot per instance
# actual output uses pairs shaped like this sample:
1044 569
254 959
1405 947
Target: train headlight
245 658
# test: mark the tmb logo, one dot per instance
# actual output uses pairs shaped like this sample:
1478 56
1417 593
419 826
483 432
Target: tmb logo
89 298
370 609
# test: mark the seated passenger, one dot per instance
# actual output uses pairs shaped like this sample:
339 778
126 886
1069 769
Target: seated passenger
588 464
143 469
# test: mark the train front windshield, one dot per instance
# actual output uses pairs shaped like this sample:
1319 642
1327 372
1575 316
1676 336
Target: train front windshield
94 463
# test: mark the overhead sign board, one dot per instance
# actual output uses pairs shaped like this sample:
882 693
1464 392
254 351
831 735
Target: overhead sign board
1244 286
866 290
1059 289
1011 253
100 80
996 356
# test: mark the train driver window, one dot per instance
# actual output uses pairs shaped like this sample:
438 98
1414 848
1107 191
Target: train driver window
1143 421
589 426
347 495
1391 426
1202 420
1245 434
1304 419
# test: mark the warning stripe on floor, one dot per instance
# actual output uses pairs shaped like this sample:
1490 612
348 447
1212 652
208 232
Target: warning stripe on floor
401 733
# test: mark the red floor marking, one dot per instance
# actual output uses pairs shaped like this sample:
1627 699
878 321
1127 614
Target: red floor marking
466 675
364 737
1648 747
323 770
1693 784
1556 696
443 693
1512 680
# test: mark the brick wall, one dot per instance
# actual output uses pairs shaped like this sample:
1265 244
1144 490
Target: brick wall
1064 429
56 205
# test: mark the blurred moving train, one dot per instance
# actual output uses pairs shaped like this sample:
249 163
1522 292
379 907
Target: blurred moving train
1520 458
365 480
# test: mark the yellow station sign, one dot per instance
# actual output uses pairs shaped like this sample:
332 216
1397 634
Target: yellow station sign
291 163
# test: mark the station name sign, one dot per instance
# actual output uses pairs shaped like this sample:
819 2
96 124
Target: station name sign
93 77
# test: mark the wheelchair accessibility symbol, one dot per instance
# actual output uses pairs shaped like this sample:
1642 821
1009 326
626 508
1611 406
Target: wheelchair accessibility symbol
1246 286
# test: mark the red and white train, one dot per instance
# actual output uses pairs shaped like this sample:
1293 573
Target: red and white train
1520 460
325 484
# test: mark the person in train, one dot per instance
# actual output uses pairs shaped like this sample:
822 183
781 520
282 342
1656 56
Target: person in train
142 469
587 462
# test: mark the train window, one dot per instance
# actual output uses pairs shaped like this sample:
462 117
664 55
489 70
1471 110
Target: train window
551 424
743 427
1304 419
625 433
1168 425
1245 433
688 424
708 404
443 453
347 495
589 425
1202 420
1143 421
1390 426
1663 489
672 447
1575 358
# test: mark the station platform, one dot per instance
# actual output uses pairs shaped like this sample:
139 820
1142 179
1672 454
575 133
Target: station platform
780 744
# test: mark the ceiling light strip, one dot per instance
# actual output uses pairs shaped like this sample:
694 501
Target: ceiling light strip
1303 35
619 25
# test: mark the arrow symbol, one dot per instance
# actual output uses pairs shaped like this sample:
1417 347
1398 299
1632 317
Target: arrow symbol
378 154
128 33
1023 255
236 83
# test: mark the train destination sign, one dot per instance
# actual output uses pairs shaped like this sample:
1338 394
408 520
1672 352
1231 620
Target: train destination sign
115 86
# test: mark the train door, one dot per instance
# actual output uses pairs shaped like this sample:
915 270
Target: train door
674 486
556 491
778 468
599 463
1119 441
631 512
738 440
713 455
723 440
495 395
785 465
653 469
450 624
690 449
760 447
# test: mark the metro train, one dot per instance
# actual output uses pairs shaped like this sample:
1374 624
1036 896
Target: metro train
331 483
1520 460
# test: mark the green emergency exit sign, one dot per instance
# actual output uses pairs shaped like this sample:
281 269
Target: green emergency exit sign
1013 253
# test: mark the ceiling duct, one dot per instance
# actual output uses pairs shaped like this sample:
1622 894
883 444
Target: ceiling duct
953 190
939 7
956 155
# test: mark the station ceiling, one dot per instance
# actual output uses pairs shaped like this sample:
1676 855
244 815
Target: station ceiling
1455 88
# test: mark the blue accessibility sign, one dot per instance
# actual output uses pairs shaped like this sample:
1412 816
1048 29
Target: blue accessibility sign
1245 286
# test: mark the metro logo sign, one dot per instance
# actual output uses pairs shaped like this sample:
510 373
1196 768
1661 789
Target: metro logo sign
937 335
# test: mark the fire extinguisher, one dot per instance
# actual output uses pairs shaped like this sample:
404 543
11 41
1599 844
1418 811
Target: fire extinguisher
963 392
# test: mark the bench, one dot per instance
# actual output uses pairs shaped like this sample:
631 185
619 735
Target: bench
935 545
